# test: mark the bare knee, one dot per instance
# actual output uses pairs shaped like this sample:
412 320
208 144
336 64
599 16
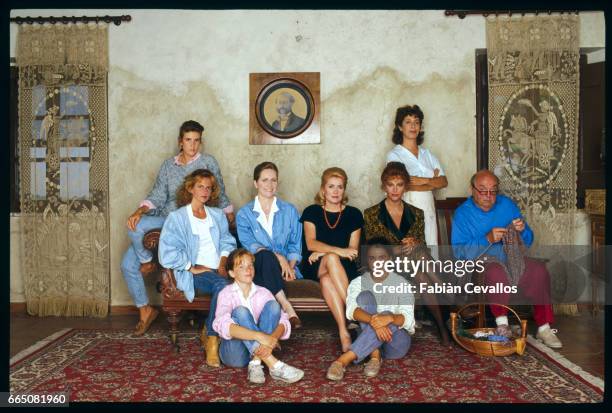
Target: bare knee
330 259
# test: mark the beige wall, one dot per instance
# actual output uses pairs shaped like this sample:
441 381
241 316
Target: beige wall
168 66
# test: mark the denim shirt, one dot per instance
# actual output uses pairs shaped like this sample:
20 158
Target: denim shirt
286 232
178 245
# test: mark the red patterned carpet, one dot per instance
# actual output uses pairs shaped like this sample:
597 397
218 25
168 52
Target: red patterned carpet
99 365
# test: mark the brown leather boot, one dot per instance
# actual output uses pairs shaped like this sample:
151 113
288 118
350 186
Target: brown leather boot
203 337
212 351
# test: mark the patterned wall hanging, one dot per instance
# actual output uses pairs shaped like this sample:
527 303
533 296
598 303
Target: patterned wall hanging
533 118
64 168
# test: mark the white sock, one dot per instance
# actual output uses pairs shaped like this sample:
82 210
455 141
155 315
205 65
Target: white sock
255 362
502 319
278 365
543 327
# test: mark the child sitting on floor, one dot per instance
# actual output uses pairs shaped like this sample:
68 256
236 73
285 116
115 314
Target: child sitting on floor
250 323
386 317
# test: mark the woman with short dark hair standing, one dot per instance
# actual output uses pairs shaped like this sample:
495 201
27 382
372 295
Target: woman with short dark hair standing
426 173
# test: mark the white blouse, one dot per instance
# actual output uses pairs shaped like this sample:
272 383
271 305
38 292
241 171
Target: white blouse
423 166
266 224
207 252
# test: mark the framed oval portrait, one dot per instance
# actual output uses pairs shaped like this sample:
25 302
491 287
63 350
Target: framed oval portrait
284 108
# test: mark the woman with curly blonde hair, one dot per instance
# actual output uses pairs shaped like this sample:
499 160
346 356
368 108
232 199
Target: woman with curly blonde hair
195 243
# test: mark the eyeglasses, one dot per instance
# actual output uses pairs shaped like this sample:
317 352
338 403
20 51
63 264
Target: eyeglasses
484 192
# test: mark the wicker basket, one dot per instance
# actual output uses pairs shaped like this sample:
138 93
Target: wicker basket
489 348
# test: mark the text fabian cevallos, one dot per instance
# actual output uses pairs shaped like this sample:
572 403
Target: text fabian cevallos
444 288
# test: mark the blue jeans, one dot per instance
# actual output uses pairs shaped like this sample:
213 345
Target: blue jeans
368 341
210 282
137 254
238 353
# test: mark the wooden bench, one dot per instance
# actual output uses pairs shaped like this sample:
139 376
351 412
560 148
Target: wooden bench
304 295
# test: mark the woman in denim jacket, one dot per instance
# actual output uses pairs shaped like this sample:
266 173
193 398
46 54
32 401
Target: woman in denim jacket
270 229
195 243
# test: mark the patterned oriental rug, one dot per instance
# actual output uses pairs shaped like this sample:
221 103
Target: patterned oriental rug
115 366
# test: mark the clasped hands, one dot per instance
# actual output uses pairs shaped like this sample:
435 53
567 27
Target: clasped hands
380 324
497 233
267 344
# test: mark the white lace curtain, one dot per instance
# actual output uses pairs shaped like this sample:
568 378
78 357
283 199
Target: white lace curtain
64 168
533 65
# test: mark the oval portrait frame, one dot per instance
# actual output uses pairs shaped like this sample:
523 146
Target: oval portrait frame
262 100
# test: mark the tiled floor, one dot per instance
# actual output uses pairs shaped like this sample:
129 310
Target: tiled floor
582 335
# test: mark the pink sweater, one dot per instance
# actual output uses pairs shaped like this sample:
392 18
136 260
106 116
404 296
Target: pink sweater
231 297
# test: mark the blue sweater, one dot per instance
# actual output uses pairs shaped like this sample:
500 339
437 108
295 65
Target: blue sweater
171 176
471 225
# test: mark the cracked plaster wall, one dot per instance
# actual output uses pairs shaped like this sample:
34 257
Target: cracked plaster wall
169 66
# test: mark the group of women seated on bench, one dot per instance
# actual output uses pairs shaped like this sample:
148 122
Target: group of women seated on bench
252 313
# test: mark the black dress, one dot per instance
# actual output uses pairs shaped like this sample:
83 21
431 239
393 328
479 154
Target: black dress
340 236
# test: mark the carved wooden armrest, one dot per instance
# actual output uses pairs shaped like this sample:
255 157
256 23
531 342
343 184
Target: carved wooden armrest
168 285
151 241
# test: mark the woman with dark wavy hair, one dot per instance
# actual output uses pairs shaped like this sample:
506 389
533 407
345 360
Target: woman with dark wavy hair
426 173
402 224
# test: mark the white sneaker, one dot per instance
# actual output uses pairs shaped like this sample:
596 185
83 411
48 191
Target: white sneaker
549 338
256 374
287 373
